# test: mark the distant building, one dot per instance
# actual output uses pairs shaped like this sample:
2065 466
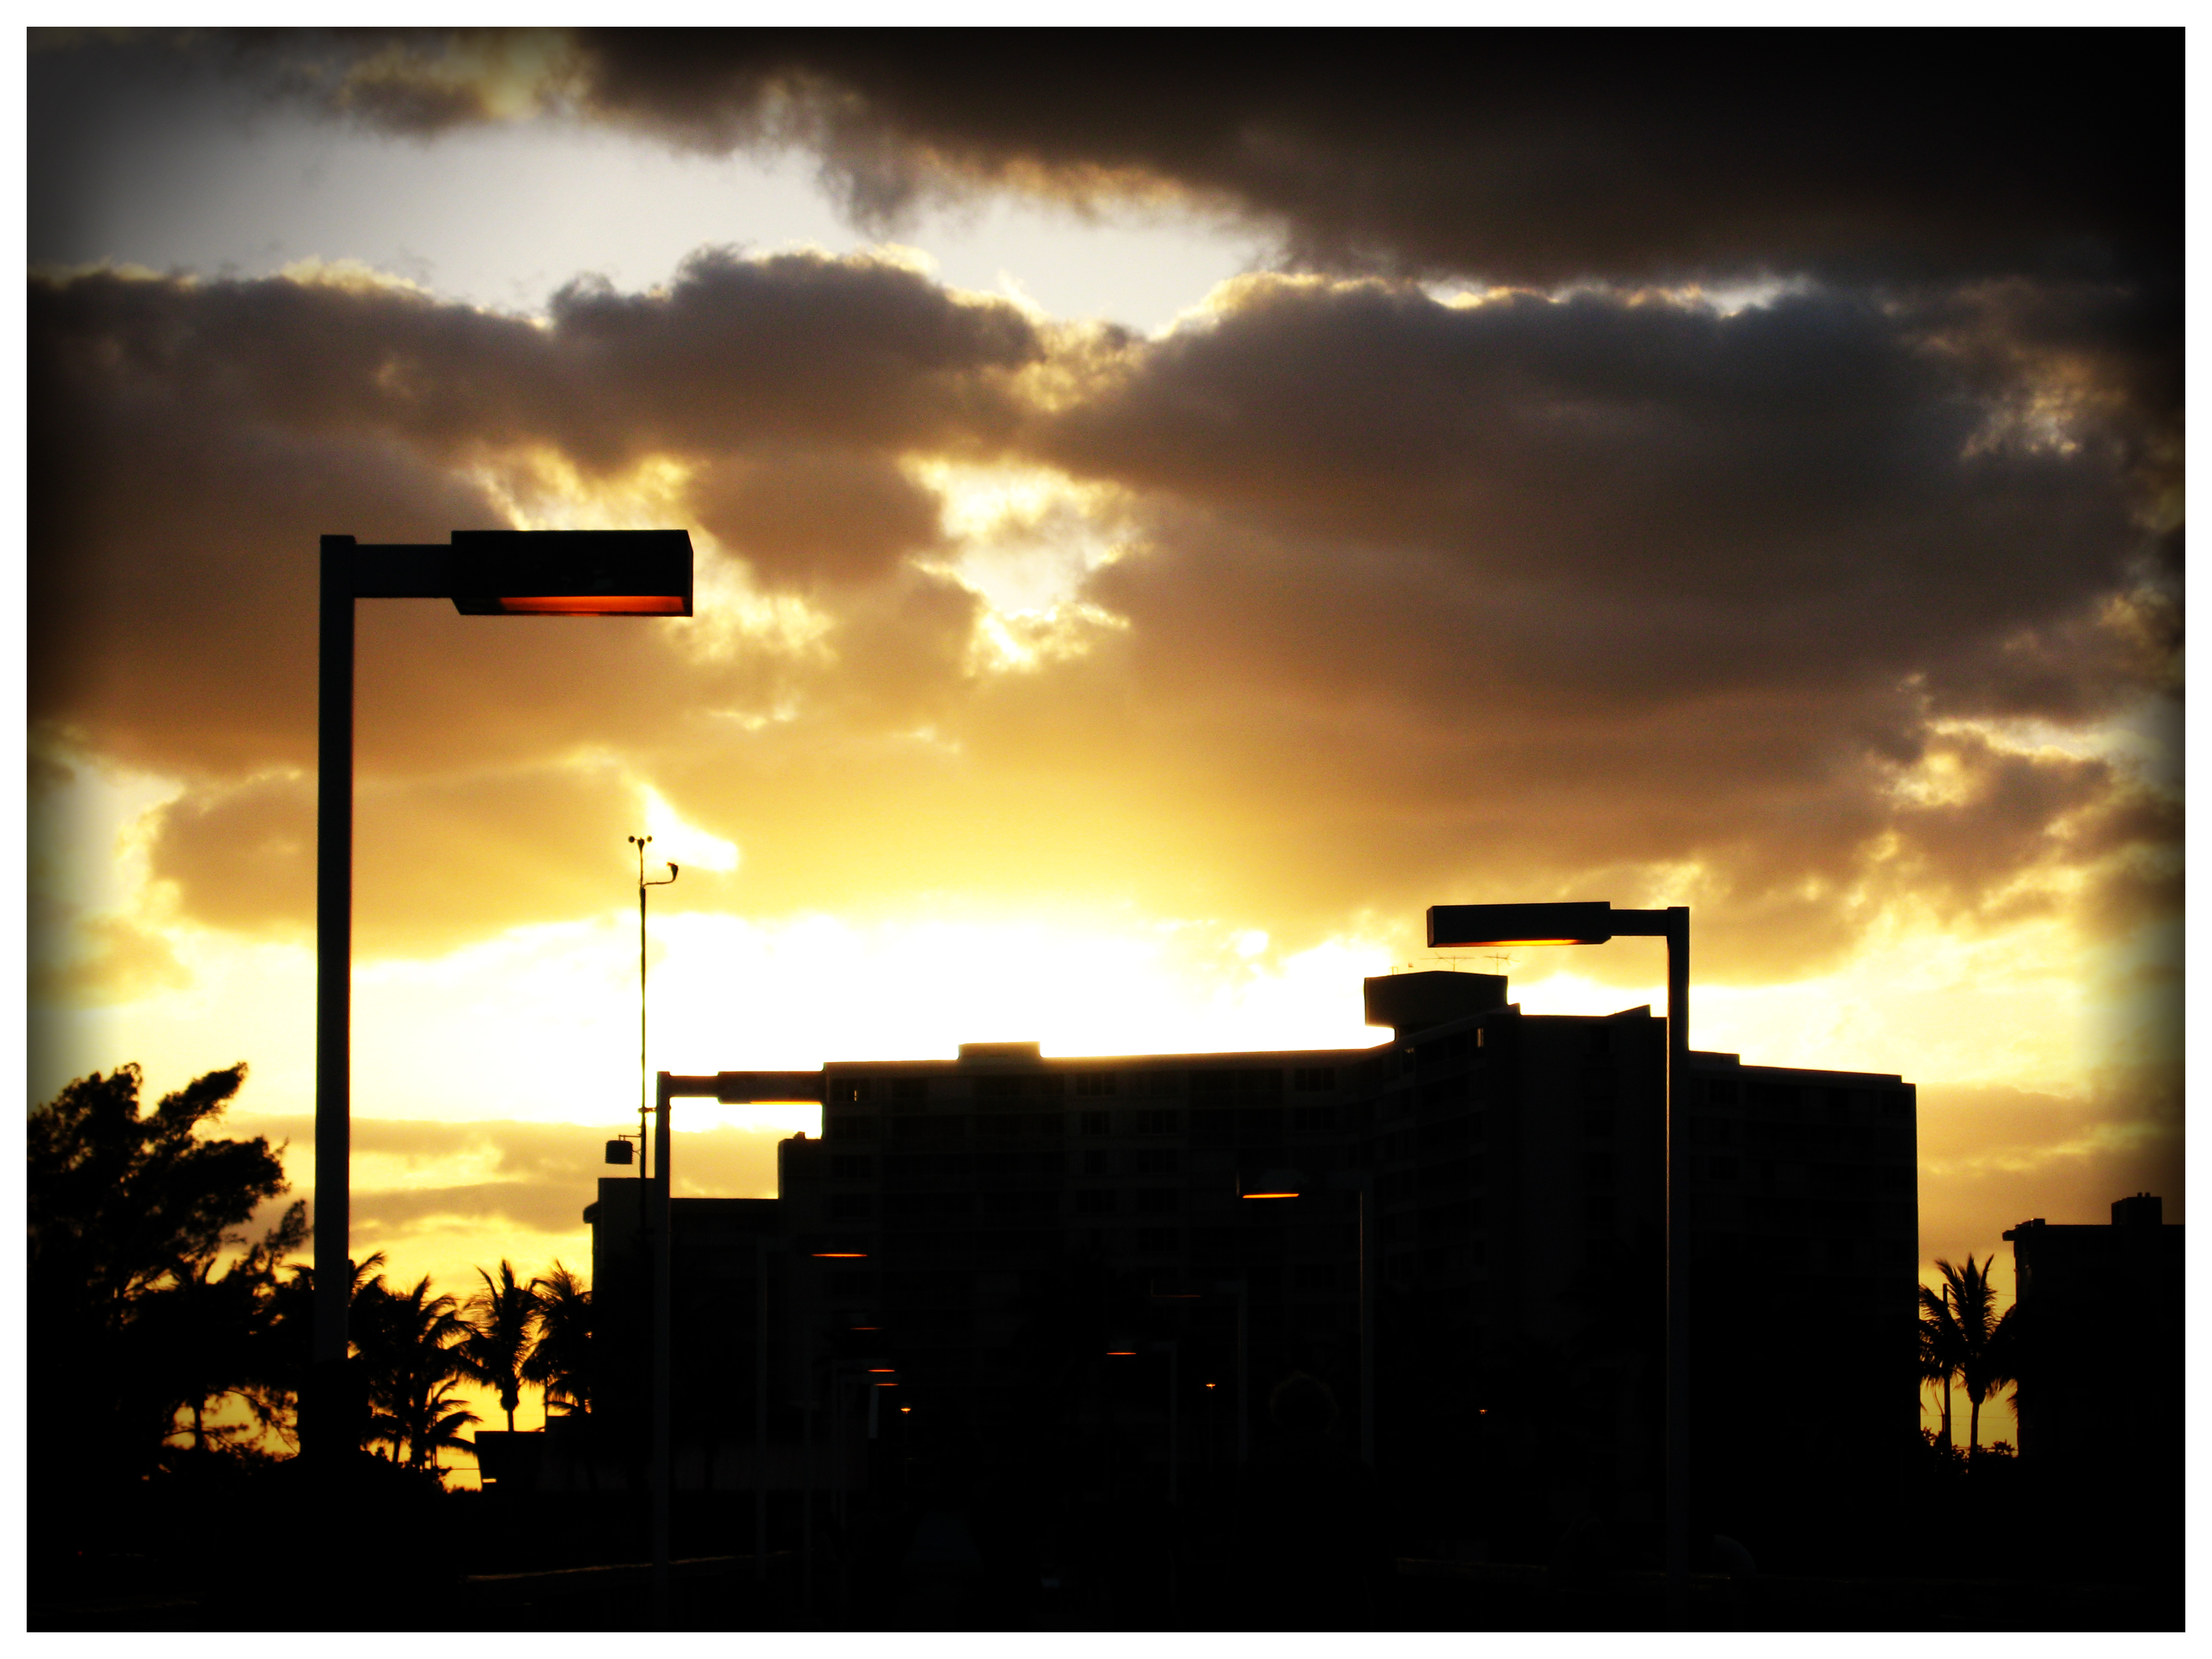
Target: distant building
1021 1236
2101 1309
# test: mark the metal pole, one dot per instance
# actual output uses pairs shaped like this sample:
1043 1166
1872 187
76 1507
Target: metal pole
760 1408
328 1412
1366 1334
1678 1260
662 1260
806 1517
1244 1376
1175 1365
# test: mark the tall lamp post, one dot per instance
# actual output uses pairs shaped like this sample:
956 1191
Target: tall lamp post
485 573
1288 1183
1594 924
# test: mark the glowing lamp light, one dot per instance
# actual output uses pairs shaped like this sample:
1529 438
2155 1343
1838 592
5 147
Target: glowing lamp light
839 1255
1270 1183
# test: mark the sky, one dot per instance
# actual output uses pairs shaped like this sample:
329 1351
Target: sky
1165 515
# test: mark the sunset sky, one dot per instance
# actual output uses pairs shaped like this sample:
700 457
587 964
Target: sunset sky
1165 517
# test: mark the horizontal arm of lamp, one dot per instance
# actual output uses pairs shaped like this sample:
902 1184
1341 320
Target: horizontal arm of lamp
493 573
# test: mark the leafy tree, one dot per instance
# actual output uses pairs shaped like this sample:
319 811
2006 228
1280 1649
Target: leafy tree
503 1320
1938 1369
1968 1338
561 1363
129 1328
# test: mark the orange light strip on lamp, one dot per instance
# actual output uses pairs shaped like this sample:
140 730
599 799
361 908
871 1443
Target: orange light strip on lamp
1268 1194
593 605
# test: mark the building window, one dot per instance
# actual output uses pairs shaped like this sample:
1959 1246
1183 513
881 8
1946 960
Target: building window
1597 1122
1597 1169
1315 1276
909 1088
1723 1168
852 1166
1314 1079
1313 1119
1158 1120
850 1207
1156 1241
1214 1128
1096 1123
1158 1201
1097 1083
1096 1162
848 1126
1159 1160
1260 1123
1095 1200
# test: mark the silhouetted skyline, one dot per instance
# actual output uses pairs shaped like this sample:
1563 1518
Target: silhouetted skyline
1167 515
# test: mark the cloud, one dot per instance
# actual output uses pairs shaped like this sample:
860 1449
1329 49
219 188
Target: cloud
1533 159
414 1177
1404 596
1992 1156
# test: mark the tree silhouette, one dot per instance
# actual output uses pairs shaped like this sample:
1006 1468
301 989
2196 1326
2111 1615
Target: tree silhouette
410 1343
128 1328
503 1318
1968 1338
561 1363
1937 1346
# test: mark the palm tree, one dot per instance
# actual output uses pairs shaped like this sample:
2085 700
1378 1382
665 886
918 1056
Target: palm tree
411 1342
504 1329
561 1363
1969 1338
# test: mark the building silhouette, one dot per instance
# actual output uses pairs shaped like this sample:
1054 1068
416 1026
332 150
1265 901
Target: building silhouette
2077 1289
1052 1264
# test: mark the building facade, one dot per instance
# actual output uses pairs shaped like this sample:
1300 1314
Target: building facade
1061 1265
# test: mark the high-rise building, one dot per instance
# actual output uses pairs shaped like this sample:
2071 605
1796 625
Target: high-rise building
1068 1265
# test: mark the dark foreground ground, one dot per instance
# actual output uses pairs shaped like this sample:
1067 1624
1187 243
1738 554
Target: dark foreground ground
725 1594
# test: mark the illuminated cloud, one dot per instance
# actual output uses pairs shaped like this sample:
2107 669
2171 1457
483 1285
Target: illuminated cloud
1626 487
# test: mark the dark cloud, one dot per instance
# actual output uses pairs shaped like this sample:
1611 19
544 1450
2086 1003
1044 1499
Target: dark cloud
800 519
1529 157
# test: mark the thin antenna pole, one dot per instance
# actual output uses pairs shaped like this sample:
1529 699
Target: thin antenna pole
644 1074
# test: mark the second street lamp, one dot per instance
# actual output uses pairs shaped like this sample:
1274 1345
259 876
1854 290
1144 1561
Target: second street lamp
1594 924
484 573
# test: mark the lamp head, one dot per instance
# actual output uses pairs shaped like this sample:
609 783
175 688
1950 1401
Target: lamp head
572 573
1519 924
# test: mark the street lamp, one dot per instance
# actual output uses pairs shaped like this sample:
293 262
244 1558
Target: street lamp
485 573
1174 1349
1594 924
1288 1183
